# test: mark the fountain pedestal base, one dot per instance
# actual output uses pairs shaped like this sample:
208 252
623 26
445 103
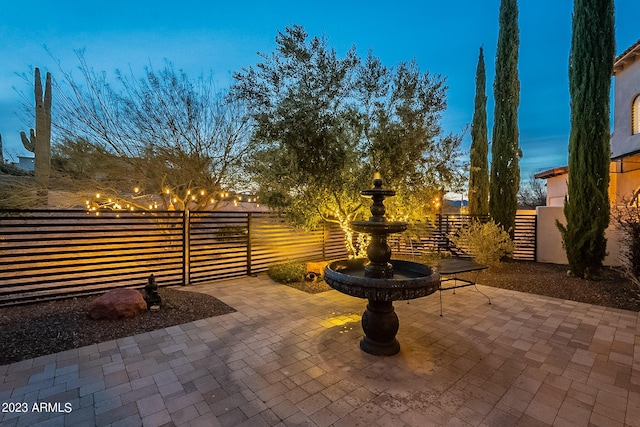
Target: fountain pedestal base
380 325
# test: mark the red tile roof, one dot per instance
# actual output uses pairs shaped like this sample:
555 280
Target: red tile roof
627 57
552 172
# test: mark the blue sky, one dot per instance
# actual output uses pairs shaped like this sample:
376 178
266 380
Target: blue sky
202 36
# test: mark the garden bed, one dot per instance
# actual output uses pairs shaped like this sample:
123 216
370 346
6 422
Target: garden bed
33 330
611 289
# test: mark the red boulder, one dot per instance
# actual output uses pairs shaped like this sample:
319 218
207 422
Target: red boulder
117 303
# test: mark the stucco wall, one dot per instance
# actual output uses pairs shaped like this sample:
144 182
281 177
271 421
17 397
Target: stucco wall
626 180
557 190
549 240
627 87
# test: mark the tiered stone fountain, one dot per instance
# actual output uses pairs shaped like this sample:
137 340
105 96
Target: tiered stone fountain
380 280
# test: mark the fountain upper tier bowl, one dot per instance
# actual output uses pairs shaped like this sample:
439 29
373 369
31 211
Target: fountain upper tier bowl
371 227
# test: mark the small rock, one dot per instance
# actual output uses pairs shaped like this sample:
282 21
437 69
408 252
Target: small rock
117 303
316 268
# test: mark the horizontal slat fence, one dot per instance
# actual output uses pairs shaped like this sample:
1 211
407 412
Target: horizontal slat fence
524 237
217 245
44 254
432 236
50 254
272 241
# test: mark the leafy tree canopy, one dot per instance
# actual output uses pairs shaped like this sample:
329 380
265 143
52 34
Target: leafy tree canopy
324 124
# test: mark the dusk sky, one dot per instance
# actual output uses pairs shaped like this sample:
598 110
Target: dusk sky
222 37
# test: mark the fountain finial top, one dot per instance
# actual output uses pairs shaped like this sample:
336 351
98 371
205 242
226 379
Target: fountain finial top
377 190
377 180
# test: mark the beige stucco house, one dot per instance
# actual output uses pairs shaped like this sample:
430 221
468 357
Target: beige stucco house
624 170
625 140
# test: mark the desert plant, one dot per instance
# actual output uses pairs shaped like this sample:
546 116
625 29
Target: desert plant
627 218
486 242
39 140
287 272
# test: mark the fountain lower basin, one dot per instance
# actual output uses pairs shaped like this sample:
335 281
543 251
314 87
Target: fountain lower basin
410 280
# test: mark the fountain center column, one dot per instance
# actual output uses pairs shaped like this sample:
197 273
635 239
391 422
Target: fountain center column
378 251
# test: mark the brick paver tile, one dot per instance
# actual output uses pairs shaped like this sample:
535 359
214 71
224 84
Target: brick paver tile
313 403
232 417
150 405
157 419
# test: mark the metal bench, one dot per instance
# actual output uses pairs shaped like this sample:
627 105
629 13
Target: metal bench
450 270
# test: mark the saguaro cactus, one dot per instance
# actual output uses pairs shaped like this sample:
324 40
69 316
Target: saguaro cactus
39 142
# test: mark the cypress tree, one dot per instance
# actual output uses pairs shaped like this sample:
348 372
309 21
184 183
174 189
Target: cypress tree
590 69
479 163
505 151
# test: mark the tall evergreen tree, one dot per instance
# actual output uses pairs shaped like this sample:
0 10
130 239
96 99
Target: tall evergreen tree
590 69
505 151
479 167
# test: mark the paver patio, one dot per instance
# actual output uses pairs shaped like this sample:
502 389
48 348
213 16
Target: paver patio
288 358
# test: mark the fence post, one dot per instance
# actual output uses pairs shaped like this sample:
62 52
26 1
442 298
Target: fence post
186 246
535 238
440 242
249 221
324 240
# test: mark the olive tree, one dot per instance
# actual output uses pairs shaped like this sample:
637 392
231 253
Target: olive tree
324 124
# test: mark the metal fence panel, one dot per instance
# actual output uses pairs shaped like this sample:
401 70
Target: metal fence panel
50 254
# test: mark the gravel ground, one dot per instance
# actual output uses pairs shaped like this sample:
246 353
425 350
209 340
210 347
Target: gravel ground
611 289
34 330
37 329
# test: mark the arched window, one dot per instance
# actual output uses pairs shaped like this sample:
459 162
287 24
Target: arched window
635 116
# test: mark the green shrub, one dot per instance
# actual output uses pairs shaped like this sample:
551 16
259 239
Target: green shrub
287 272
487 243
627 218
